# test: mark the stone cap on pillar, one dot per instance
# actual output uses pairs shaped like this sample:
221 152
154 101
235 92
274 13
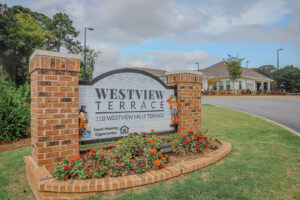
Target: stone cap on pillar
42 59
184 72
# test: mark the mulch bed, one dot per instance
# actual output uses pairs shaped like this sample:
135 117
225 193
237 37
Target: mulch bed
17 143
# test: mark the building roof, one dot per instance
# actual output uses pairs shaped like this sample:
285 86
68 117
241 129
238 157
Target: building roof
155 72
220 70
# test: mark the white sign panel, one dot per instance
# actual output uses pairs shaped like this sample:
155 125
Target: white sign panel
123 101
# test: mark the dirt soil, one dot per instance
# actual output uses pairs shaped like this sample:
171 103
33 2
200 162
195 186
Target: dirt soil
17 143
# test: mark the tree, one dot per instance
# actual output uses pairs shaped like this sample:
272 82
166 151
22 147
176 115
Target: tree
91 59
234 68
64 34
27 35
266 70
289 76
21 32
213 81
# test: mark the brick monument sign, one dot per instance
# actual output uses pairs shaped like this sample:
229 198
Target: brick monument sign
55 111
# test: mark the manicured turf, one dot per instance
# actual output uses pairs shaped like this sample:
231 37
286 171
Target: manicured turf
264 164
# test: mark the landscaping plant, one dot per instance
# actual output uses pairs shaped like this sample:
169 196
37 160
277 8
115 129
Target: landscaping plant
134 154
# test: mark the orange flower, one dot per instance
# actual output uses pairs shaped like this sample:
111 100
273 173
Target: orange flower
157 163
163 158
164 165
150 140
160 154
144 138
153 151
166 155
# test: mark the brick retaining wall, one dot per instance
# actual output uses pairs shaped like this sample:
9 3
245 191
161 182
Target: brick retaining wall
46 187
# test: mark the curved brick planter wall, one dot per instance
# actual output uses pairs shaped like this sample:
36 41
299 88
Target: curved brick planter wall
44 186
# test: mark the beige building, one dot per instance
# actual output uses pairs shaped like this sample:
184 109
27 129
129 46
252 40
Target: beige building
250 80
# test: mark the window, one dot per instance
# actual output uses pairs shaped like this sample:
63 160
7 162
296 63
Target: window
221 87
240 85
215 86
227 85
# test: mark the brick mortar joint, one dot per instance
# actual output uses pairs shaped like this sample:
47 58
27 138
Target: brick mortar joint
39 68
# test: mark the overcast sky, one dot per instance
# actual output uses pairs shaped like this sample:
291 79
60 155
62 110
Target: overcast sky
172 35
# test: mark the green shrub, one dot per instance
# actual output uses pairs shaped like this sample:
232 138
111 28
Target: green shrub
14 110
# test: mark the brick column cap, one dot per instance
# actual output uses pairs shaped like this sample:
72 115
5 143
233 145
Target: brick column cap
184 72
57 61
39 52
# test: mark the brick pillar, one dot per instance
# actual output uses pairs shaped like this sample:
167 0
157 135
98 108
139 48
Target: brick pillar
54 106
189 98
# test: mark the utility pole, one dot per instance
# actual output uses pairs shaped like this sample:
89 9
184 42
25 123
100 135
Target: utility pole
84 51
278 67
247 63
198 65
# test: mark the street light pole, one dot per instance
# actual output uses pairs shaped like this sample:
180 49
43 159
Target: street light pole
198 65
247 63
84 51
278 67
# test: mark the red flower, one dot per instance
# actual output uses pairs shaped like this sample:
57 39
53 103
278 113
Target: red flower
72 161
198 147
205 144
200 141
92 150
77 157
99 167
58 168
201 136
215 147
186 142
67 168
198 136
135 132
87 154
195 138
191 139
190 131
93 154
205 137
184 136
86 168
83 158
101 155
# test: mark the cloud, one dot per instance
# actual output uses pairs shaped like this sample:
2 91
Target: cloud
134 21
165 60
119 23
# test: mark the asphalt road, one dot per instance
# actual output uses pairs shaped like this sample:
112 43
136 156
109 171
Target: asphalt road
283 110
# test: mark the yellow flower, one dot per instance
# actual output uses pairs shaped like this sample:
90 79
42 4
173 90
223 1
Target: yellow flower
127 155
120 141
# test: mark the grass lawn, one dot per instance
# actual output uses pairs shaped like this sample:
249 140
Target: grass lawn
264 164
